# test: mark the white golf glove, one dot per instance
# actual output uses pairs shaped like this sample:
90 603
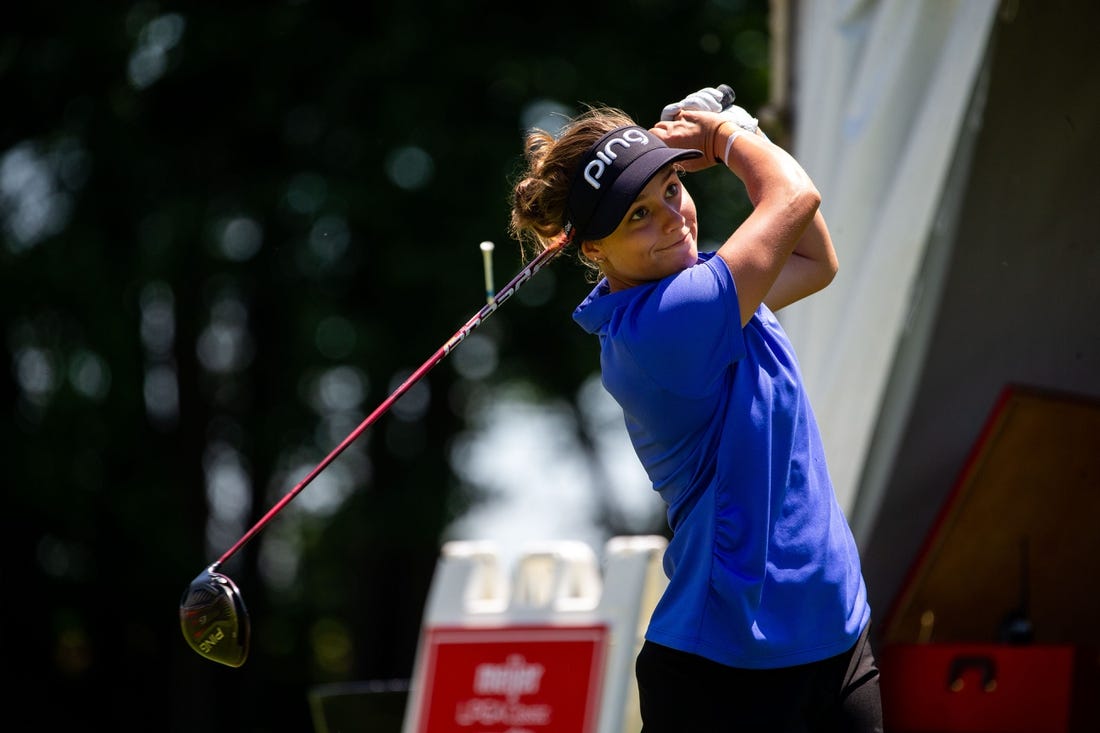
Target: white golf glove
709 99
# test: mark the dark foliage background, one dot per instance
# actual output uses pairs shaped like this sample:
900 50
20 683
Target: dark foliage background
154 124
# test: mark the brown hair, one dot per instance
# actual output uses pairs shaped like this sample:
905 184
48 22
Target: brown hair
541 191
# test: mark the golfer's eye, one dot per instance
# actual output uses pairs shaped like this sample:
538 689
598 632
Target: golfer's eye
673 190
639 213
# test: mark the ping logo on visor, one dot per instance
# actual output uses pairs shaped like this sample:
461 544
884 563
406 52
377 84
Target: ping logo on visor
605 154
611 175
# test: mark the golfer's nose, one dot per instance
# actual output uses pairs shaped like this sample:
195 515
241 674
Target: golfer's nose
672 219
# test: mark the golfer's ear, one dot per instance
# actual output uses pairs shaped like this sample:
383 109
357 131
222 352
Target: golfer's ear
591 250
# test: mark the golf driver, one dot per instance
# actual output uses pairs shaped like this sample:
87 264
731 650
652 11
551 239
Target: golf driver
213 616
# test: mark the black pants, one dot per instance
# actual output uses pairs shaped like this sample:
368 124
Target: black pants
685 693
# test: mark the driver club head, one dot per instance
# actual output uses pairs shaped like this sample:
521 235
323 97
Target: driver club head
214 620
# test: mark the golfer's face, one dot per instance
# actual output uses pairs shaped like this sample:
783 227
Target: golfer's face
656 238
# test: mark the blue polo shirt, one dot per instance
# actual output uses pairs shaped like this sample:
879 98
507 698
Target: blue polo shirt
763 569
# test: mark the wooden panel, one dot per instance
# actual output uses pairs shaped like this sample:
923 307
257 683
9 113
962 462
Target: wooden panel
1021 523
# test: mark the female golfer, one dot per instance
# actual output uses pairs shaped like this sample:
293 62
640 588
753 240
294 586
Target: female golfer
764 623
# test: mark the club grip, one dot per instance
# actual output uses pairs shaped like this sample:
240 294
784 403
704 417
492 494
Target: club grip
727 94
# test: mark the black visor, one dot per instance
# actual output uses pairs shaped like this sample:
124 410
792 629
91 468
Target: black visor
612 174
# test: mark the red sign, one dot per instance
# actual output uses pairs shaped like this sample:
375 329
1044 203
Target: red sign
514 679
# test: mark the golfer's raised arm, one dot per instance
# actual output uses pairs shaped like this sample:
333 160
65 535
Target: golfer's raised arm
785 203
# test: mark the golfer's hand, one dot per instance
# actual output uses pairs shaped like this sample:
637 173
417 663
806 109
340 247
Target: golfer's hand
709 99
692 129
